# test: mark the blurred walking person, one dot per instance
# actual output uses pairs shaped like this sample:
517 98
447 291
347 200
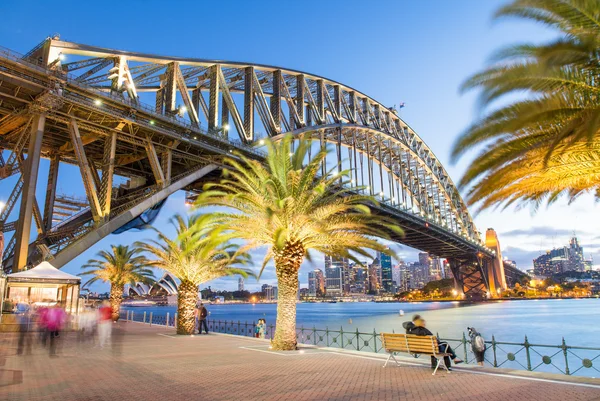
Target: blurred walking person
104 323
24 320
54 321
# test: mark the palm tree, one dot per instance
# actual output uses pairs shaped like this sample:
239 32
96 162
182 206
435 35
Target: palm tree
124 265
194 257
545 145
286 207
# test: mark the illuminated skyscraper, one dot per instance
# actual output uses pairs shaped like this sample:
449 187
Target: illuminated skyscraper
386 272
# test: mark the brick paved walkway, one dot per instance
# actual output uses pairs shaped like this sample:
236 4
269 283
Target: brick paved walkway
151 363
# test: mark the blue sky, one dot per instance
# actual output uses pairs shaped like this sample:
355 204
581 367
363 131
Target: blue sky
395 51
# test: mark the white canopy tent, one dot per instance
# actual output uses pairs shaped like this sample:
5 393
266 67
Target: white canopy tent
42 285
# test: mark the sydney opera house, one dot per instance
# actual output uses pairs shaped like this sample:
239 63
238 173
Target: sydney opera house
166 286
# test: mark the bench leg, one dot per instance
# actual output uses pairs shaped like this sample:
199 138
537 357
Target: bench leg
391 357
439 361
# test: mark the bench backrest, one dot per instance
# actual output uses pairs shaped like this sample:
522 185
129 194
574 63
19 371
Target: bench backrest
409 343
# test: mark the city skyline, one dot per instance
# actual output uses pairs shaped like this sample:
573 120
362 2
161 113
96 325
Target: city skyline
412 78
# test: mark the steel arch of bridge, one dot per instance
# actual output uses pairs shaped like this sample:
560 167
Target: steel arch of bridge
284 100
89 102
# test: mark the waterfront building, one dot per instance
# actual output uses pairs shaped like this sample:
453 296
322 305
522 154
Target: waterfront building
552 262
418 275
575 256
361 282
241 284
560 260
385 261
436 270
316 283
375 277
336 275
269 292
401 276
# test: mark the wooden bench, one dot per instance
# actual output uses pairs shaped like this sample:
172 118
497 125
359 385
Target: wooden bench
412 344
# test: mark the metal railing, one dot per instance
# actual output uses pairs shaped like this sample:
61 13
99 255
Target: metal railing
549 358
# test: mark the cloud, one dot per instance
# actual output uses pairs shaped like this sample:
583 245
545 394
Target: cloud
540 230
523 257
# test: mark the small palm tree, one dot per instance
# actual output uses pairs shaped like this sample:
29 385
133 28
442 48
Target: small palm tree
288 208
195 257
124 265
547 144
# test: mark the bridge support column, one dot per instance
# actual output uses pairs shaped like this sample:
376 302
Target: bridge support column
51 191
470 276
30 175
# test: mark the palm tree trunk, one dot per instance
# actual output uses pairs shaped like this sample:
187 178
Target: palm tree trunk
187 298
287 264
116 297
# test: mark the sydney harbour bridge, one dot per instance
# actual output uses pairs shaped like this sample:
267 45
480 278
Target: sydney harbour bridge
88 107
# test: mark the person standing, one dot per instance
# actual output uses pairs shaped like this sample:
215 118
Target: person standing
104 323
477 345
202 315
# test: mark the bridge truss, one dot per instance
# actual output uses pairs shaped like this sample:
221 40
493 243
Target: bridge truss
87 107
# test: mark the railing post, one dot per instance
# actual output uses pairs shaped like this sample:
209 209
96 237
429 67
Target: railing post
314 335
175 321
565 353
494 349
526 345
144 317
239 326
342 336
150 318
374 341
357 340
246 328
464 341
167 322
327 335
132 318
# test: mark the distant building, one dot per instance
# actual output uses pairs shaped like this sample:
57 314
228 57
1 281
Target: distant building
401 276
560 260
241 284
385 262
269 292
553 262
418 275
316 283
375 277
335 270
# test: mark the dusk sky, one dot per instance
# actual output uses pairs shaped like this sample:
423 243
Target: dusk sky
417 52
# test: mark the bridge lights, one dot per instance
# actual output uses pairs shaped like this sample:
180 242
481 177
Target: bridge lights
2 205
152 122
291 154
61 56
98 102
261 142
381 194
225 127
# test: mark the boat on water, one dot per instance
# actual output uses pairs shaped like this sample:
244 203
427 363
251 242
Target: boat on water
138 303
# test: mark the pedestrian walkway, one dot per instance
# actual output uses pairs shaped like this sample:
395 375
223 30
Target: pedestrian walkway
152 363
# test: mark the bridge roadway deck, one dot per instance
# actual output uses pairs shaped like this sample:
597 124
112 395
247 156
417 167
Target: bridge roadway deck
152 363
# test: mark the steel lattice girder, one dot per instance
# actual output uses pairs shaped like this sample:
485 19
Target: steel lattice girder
311 105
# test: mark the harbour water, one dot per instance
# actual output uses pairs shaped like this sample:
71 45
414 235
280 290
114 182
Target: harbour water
542 321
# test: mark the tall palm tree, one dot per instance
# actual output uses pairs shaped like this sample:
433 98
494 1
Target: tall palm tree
195 257
288 208
544 145
122 265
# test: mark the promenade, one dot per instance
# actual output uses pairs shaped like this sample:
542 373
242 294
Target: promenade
152 363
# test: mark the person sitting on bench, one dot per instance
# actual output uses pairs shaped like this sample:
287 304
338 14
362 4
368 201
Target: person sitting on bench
417 327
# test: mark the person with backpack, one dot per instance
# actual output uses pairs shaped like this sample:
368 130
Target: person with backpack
477 345
202 315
